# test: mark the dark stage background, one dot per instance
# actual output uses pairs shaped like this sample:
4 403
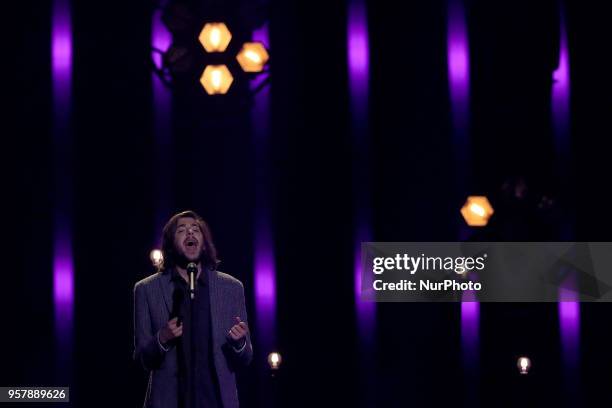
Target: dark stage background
418 353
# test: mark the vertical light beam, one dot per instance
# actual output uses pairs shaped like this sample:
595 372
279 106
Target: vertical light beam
458 60
569 307
63 268
569 326
358 56
561 97
162 124
358 65
470 326
265 268
359 75
458 64
358 61
61 54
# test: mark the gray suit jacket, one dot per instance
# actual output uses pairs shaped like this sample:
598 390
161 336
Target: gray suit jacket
152 305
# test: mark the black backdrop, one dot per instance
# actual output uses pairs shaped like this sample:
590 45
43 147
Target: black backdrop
513 48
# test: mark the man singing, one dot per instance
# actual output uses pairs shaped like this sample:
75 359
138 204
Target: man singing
191 347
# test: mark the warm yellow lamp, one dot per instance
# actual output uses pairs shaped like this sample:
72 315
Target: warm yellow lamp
216 79
253 57
215 37
476 211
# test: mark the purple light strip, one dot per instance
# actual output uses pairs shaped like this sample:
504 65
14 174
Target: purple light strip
160 38
561 94
265 268
162 125
458 64
358 59
569 308
265 280
458 60
63 268
569 326
366 310
470 325
358 55
61 43
63 283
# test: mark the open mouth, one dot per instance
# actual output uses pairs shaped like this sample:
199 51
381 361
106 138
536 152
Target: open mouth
191 243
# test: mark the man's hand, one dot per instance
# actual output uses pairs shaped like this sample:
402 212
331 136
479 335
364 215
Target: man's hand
170 331
237 334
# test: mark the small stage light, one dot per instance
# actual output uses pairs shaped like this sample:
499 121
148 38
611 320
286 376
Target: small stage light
157 257
523 364
215 37
476 211
275 360
253 57
216 79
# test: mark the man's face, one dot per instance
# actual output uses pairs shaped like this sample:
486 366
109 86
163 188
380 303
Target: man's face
188 239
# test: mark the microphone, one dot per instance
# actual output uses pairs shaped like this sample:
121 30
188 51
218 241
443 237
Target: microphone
192 269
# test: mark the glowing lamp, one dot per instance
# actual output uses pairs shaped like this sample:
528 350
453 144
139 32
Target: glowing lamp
253 57
157 257
476 211
523 364
216 79
215 37
274 360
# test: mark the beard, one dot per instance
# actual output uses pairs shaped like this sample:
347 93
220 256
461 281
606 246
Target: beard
182 261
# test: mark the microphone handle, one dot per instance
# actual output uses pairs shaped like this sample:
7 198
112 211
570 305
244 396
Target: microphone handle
191 285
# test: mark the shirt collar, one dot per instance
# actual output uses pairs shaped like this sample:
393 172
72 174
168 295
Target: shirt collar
203 278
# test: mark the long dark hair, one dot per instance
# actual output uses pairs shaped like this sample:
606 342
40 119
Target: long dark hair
170 255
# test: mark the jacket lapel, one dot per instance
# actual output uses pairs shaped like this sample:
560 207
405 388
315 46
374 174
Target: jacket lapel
165 285
214 303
